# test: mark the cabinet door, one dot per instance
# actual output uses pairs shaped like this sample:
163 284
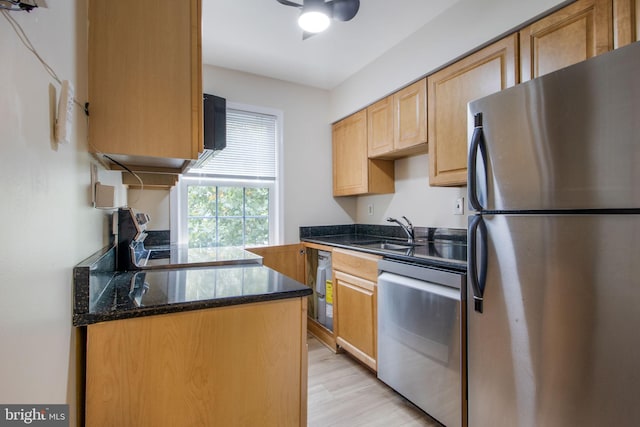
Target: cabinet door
356 328
145 80
380 127
411 115
354 276
286 259
449 90
626 22
241 365
350 155
568 36
353 172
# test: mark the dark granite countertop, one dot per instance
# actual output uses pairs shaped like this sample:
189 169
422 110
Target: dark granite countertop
438 247
103 294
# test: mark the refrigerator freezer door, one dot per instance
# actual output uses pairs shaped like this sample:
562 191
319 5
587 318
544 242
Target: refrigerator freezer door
557 343
567 140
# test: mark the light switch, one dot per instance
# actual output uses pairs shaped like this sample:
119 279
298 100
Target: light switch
459 207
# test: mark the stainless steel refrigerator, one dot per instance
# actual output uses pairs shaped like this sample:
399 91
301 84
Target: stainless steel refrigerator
554 249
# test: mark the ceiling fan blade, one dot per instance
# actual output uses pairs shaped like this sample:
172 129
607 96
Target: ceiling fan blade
289 3
344 10
306 35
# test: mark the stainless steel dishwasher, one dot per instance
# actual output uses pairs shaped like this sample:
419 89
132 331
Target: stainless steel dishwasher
421 337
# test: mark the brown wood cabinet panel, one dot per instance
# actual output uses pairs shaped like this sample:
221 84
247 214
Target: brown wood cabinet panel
411 115
356 263
356 326
354 276
350 174
285 259
449 90
397 124
570 35
380 127
237 365
353 172
152 181
145 80
625 22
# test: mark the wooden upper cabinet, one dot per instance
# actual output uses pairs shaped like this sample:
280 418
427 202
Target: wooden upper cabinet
568 36
353 172
380 127
397 124
145 81
449 90
411 115
626 22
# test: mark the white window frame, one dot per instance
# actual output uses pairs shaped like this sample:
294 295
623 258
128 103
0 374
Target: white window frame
178 194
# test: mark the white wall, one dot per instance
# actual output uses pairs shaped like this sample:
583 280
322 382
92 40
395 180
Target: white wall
307 173
155 203
414 198
48 224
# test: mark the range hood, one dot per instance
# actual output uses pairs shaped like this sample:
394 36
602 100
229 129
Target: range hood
215 127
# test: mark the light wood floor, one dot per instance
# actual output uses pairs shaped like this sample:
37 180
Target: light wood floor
342 392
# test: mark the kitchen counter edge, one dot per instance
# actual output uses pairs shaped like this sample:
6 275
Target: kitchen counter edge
423 261
99 270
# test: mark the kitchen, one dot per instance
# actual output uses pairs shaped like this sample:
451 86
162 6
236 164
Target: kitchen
41 177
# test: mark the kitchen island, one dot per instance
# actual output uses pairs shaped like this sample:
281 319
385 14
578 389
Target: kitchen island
199 346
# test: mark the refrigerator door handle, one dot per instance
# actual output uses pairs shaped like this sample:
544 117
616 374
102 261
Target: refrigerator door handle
477 144
477 275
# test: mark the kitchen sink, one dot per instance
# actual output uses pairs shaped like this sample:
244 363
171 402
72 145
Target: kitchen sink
390 246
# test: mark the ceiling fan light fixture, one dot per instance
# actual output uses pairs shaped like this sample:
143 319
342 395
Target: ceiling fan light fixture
313 21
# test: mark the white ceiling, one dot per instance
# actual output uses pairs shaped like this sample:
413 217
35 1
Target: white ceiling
262 37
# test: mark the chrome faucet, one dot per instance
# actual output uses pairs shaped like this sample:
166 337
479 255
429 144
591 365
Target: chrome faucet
408 228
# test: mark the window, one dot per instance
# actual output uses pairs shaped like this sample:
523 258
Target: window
227 215
231 200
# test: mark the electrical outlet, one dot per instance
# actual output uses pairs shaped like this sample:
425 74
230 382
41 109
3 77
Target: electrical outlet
370 209
459 207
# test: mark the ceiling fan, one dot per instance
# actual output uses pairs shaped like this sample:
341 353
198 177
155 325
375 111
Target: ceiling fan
316 15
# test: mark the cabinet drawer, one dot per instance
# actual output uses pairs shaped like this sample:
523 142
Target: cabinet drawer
356 263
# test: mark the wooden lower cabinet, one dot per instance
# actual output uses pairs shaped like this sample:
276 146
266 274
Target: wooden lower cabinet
285 259
243 365
355 277
357 317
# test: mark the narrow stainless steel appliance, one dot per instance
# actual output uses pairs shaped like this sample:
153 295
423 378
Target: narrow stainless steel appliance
421 337
554 290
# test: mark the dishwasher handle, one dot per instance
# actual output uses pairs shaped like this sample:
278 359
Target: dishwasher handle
391 279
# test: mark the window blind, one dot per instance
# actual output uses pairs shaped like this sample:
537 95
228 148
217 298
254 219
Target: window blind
250 151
